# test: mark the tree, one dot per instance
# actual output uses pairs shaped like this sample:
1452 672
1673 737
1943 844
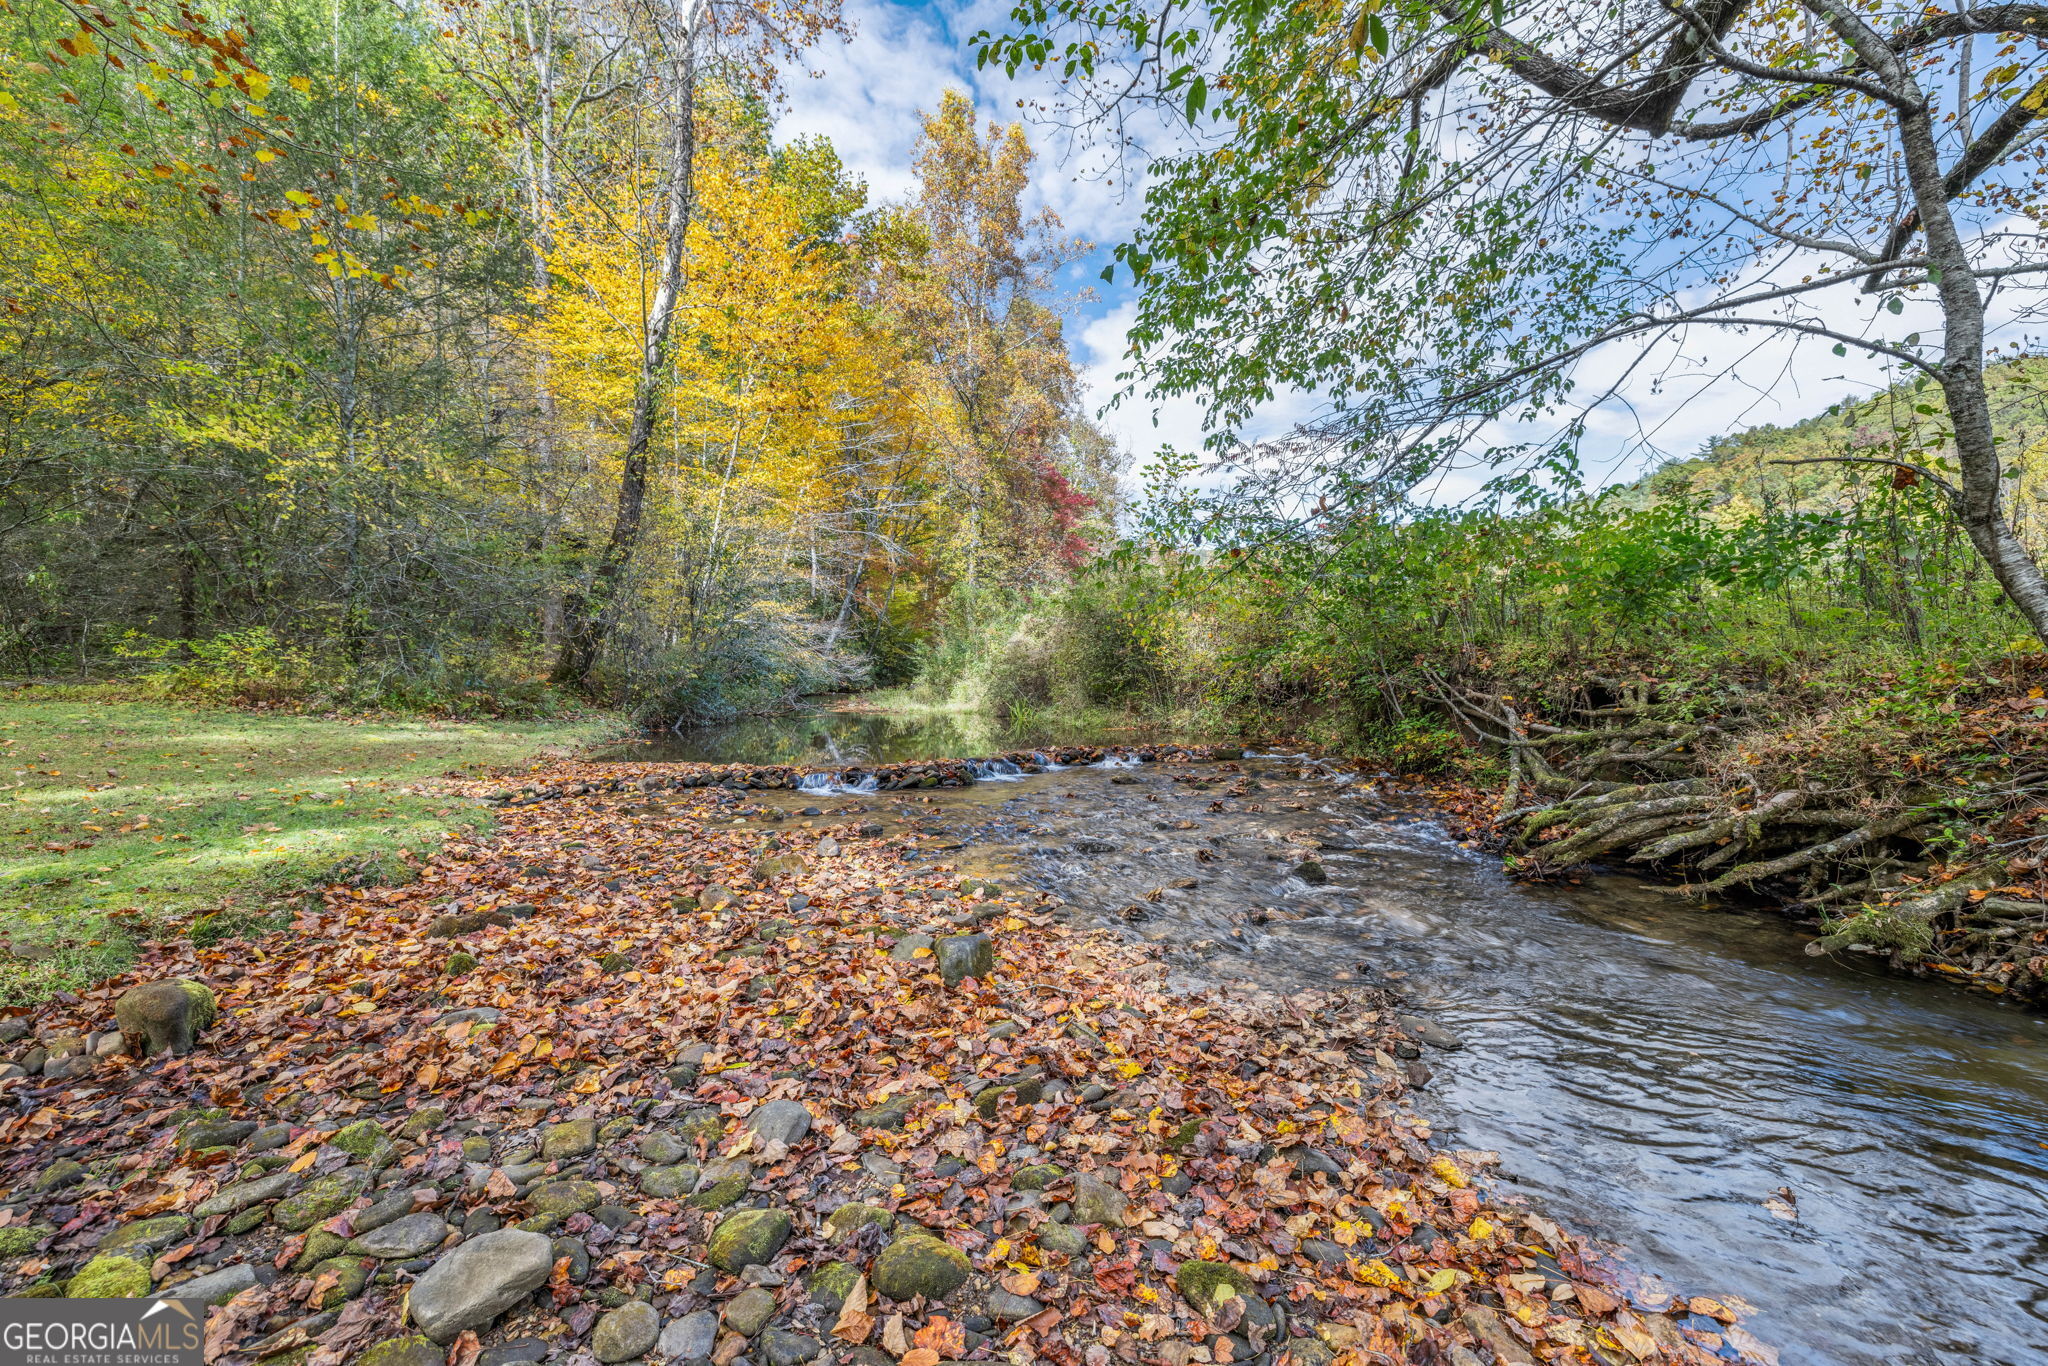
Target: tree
1429 214
965 278
755 32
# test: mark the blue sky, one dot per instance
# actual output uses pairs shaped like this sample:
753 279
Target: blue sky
867 98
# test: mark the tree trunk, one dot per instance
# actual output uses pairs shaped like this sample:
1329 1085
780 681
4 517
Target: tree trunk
1962 304
589 614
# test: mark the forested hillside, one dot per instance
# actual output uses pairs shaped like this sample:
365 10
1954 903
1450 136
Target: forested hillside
478 359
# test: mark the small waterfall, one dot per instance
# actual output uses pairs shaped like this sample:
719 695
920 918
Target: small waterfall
1118 761
995 771
835 784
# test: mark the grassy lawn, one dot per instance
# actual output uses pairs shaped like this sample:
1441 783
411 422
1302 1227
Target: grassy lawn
127 819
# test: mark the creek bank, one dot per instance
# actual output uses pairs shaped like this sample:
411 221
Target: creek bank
678 1066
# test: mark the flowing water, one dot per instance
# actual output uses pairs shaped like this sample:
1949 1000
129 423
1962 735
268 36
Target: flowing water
1650 1070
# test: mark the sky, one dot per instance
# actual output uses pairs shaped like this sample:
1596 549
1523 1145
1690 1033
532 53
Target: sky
1669 403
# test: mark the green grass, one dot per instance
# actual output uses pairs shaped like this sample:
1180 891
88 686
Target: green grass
130 819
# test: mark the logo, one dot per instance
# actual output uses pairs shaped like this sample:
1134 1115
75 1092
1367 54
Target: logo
102 1332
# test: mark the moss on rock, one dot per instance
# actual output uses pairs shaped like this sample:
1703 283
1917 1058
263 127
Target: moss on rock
919 1264
748 1237
109 1278
1205 1285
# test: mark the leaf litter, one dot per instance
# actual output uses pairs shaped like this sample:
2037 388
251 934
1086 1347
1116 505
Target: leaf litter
1132 1173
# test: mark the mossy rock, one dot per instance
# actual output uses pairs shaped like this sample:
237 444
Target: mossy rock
831 1283
247 1220
670 1183
109 1278
323 1198
1183 1138
919 1264
890 1114
723 1184
41 1290
748 1237
321 1244
1205 1285
145 1236
706 1125
424 1121
570 1138
1026 1092
850 1217
364 1140
22 1240
561 1199
415 1350
615 963
339 1280
459 963
1036 1177
167 1016
1064 1239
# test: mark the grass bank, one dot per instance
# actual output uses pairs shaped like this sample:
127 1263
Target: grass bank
127 818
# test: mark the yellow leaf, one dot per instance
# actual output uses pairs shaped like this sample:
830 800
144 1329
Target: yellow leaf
1448 1170
363 222
301 84
1443 1280
298 196
306 1160
1377 1272
1481 1228
264 154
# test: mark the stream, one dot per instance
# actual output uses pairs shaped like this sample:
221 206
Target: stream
1650 1070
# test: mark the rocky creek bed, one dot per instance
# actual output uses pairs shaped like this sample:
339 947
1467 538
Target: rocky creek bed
654 1072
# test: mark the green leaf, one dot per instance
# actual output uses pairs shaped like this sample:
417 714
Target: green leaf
1109 274
1377 32
1841 350
1198 95
1895 304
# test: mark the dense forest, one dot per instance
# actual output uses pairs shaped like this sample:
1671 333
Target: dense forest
481 359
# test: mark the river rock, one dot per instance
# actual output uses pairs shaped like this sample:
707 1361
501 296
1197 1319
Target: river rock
365 1141
1098 1202
564 1198
669 1183
166 1016
831 1283
403 1239
571 1138
146 1237
663 1148
854 1215
890 1114
748 1312
911 946
109 1278
919 1264
411 1350
1035 1177
215 1287
1205 1285
689 1337
1436 1036
1004 1307
748 1237
338 1280
780 1121
962 956
323 1198
479 1280
626 1332
780 1347
722 1183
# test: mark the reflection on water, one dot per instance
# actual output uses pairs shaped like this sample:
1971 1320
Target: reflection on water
1650 1070
844 738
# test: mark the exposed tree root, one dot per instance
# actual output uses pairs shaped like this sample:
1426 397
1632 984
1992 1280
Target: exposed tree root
1913 870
